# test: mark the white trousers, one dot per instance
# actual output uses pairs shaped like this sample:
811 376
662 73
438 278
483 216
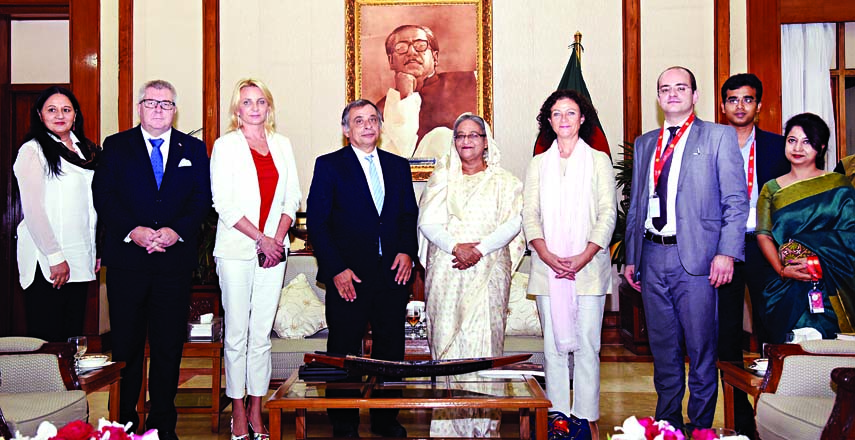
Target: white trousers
586 361
250 300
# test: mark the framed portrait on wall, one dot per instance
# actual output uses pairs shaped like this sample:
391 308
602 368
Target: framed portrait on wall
423 63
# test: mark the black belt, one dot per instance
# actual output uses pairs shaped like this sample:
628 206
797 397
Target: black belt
660 239
750 236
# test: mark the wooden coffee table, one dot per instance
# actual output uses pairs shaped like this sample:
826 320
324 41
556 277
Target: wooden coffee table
735 375
522 394
108 375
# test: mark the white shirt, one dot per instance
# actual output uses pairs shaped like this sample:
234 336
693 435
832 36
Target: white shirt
751 224
164 148
59 216
361 155
673 178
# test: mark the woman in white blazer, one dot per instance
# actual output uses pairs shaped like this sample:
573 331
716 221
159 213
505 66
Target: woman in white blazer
569 215
256 194
56 238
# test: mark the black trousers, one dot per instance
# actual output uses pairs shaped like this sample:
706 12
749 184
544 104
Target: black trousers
753 273
383 306
155 302
55 314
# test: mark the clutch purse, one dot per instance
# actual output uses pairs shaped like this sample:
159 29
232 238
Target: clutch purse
791 251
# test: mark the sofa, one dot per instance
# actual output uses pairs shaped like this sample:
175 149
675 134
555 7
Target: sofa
38 383
287 353
798 393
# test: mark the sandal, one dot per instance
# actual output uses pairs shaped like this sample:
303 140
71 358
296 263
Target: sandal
257 435
232 431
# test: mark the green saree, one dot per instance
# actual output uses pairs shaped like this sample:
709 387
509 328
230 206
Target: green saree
820 214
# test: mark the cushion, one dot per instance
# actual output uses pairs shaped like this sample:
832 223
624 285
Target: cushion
522 310
20 343
300 313
25 411
792 417
30 373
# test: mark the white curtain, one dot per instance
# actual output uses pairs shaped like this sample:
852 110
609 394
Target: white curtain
807 54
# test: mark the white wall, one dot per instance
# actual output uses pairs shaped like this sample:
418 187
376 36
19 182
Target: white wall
168 45
675 32
40 51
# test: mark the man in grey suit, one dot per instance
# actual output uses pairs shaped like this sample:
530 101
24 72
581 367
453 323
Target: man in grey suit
684 229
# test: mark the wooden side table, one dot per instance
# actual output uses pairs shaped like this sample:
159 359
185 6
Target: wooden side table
212 350
106 376
735 375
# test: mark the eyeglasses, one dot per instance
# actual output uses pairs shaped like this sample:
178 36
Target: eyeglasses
734 101
153 103
403 47
471 137
679 89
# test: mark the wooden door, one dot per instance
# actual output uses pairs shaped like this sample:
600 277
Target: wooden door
19 101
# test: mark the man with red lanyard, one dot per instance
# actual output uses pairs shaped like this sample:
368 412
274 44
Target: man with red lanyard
763 154
685 228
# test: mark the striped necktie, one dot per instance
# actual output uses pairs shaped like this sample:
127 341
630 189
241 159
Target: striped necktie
376 186
157 160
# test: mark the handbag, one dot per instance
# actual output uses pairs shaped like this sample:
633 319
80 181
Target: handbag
563 427
791 251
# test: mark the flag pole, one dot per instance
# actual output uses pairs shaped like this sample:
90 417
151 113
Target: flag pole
577 44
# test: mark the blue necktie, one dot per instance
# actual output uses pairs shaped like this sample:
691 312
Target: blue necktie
376 186
157 160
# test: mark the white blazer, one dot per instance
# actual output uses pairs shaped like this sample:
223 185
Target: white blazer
234 186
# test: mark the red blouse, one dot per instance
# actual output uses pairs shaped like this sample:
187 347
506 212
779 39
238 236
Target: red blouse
268 177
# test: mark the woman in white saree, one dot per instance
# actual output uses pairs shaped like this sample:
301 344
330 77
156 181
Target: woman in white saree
469 224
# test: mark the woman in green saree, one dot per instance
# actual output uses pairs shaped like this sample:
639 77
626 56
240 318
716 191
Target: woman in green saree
817 210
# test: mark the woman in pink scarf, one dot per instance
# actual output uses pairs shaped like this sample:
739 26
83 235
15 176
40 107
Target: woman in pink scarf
569 214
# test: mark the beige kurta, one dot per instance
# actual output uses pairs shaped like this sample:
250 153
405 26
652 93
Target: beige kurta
467 309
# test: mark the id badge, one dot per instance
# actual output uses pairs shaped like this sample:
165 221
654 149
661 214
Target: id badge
653 207
815 300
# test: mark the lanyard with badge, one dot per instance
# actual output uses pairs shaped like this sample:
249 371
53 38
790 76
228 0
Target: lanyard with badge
752 213
660 159
815 295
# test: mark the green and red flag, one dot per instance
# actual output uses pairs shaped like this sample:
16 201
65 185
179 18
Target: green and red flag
573 80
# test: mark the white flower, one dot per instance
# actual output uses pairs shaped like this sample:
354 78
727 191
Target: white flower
631 430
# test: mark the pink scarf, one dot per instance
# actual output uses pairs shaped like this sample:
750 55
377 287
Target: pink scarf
564 205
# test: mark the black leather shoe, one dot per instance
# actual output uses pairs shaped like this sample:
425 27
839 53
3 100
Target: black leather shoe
166 435
345 432
392 429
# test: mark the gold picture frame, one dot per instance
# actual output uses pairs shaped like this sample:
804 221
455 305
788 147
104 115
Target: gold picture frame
462 30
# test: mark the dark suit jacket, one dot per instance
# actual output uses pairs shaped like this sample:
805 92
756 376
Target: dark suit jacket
343 223
712 202
771 160
126 196
445 96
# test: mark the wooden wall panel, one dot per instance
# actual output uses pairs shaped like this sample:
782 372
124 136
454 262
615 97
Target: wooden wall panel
126 106
631 70
813 11
211 71
764 57
84 18
722 52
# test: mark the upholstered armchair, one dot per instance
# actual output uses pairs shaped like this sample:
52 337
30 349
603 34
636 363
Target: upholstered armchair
38 383
798 393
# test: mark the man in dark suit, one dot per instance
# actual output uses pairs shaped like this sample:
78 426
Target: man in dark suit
763 155
421 94
684 229
152 190
361 214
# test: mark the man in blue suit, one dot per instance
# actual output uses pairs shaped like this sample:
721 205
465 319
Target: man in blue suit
763 155
361 214
152 190
684 230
